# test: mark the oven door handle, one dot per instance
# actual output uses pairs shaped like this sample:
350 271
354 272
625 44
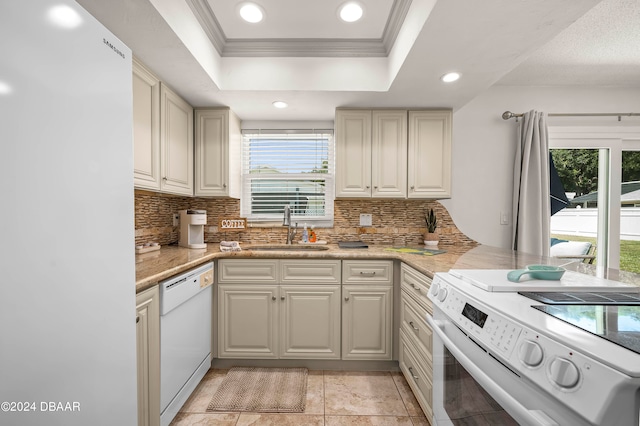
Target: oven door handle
531 417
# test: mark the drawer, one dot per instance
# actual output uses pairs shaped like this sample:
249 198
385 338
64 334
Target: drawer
367 272
417 285
254 271
417 375
310 271
412 321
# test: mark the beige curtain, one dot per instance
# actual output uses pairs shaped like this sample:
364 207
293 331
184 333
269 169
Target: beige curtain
531 202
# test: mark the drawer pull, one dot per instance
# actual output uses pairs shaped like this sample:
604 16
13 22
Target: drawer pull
368 274
413 374
138 319
413 326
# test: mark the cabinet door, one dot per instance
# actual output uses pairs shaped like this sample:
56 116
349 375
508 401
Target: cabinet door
217 153
146 128
367 322
310 322
389 154
148 356
176 140
353 153
247 321
429 161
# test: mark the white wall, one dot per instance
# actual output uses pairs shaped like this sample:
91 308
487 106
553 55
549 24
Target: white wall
484 149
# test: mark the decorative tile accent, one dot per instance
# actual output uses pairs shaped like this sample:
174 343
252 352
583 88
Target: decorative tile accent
395 222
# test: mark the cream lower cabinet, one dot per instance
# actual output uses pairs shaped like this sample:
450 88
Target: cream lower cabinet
416 351
296 320
367 310
247 321
148 356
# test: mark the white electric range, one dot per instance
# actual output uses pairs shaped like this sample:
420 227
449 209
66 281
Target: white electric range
501 357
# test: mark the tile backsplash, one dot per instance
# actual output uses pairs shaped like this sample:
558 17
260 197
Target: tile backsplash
397 222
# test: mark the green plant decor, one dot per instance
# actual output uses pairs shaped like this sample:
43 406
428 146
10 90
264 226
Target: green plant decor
431 220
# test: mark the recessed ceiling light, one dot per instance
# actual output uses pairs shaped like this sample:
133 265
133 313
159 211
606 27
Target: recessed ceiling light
64 16
280 104
350 12
251 12
450 77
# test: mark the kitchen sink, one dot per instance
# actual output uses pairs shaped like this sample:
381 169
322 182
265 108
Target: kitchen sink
283 247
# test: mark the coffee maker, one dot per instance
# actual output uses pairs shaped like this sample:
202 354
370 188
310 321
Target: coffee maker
192 223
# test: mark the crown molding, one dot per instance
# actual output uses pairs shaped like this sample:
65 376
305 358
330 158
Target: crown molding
300 47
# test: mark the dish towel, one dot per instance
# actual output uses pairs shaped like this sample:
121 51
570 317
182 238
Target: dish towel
230 246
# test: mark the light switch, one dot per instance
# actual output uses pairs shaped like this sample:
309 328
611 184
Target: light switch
366 219
504 218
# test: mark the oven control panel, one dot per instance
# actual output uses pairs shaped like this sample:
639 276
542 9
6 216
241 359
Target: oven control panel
567 374
483 324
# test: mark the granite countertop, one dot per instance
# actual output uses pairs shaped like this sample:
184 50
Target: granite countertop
155 266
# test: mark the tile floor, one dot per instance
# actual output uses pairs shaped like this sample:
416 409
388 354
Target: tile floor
334 398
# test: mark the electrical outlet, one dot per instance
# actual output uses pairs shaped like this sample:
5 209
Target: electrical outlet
366 219
176 219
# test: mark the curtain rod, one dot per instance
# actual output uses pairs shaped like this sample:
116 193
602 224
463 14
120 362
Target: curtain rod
508 114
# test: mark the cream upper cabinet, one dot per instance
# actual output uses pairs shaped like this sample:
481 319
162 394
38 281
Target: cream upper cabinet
389 154
146 128
429 166
353 153
176 143
371 153
218 145
393 153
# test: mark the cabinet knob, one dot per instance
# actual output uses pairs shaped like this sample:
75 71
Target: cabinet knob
375 187
164 178
346 299
224 185
413 187
367 187
281 297
273 298
138 319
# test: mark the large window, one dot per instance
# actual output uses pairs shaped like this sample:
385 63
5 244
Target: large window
600 166
294 168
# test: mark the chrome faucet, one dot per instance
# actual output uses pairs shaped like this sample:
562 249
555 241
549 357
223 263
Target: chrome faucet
291 233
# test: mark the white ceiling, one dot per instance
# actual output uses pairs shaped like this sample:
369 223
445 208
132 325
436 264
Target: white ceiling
303 55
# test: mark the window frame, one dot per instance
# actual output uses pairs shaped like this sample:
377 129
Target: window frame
610 141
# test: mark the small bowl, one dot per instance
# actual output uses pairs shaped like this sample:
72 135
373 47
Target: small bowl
537 272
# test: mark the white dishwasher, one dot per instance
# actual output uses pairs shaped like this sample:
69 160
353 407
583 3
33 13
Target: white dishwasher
185 336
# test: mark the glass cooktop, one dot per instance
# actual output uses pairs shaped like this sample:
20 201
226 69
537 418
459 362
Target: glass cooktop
616 323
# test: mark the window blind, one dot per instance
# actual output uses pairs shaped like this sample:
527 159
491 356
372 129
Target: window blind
294 168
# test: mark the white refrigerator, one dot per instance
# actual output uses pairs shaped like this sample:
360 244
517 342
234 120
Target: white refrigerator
67 290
